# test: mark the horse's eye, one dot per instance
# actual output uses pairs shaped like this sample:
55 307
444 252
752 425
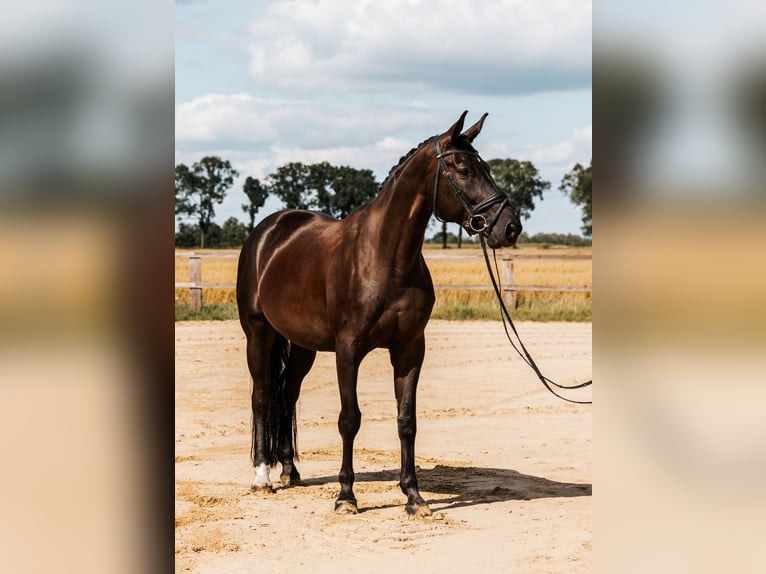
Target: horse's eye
464 172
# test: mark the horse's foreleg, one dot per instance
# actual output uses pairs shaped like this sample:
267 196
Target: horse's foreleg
407 361
349 420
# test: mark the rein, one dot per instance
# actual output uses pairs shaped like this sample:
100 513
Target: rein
476 222
521 349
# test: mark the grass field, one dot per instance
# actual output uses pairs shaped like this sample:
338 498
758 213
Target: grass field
450 304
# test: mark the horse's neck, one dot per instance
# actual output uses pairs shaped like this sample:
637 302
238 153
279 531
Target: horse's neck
398 217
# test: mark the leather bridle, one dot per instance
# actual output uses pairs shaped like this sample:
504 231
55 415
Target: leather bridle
475 220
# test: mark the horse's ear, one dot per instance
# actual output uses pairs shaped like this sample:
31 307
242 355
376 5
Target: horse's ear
474 130
457 127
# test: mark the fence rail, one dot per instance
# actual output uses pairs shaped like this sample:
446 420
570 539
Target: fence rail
509 287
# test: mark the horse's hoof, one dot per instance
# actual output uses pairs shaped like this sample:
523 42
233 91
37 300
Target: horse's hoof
418 510
288 480
346 507
262 489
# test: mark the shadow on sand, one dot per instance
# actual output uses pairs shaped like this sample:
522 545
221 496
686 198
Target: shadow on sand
459 486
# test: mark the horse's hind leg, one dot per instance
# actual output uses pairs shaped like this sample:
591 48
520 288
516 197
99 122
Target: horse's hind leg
298 366
260 339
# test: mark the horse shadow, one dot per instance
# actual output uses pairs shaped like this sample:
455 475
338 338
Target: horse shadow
460 486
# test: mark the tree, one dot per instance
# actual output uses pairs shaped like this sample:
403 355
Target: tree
443 237
233 233
290 183
336 191
187 235
578 185
213 236
520 181
555 239
200 187
257 194
351 188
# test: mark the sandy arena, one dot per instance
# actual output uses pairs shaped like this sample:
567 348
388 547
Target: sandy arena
504 465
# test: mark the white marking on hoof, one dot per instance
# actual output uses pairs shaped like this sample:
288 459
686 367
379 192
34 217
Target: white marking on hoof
262 478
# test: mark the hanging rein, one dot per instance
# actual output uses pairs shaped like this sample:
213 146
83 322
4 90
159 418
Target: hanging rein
476 222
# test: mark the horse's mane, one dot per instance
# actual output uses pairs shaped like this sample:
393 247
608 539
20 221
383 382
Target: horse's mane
402 160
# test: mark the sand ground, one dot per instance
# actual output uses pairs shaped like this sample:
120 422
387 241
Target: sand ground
504 465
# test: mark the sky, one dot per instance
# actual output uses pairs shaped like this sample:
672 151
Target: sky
360 83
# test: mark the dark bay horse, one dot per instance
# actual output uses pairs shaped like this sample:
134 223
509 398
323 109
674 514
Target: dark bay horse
308 283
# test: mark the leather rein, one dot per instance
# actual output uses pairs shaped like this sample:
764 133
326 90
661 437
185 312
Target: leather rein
519 345
476 222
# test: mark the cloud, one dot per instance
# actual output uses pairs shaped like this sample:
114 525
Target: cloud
558 158
261 134
501 47
243 121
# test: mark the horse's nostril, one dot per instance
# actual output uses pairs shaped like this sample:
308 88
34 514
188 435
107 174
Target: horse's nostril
510 229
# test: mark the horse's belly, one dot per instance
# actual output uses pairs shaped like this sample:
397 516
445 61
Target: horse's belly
297 313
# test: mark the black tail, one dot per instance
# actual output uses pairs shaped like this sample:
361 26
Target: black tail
278 418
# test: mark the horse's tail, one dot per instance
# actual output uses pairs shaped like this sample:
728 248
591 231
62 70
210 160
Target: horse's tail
278 421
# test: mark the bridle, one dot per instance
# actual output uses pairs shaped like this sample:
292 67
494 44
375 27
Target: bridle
475 221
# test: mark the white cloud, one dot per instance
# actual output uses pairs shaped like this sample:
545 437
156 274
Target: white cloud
229 117
505 46
242 121
258 135
562 154
360 83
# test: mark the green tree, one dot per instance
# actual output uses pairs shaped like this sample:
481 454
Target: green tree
520 181
555 239
199 188
319 185
443 237
213 237
233 233
351 188
257 193
578 185
187 235
291 184
336 191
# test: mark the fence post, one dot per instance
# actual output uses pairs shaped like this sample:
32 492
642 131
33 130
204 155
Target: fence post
195 276
508 294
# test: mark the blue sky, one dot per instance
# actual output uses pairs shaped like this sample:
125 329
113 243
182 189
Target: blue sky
359 83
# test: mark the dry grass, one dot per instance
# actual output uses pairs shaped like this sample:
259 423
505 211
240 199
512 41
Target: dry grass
455 304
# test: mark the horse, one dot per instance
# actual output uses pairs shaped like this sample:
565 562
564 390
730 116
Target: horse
307 282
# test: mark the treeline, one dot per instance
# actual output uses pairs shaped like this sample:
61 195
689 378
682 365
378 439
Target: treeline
556 239
336 191
568 239
231 234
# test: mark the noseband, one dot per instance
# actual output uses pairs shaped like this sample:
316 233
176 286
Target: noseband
475 220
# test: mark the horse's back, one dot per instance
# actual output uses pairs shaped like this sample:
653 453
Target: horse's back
273 231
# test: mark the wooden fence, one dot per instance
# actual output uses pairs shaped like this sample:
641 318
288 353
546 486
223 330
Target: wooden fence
509 287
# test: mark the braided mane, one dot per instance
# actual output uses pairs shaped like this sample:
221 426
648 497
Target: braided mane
402 160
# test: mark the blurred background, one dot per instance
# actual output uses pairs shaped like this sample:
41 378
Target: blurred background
680 432
86 293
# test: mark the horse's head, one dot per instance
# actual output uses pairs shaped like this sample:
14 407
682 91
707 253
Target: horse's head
464 191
